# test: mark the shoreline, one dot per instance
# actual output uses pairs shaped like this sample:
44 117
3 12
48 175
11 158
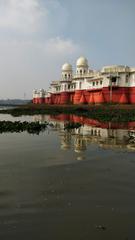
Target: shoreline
105 112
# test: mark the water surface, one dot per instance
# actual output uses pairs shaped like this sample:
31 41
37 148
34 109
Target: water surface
68 184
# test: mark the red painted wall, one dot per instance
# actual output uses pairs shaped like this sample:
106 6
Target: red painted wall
120 95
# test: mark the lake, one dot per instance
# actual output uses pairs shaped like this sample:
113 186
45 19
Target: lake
77 184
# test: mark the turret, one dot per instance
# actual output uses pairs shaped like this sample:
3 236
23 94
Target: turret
82 66
66 72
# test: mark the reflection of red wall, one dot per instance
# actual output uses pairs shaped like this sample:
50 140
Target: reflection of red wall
61 117
131 125
93 122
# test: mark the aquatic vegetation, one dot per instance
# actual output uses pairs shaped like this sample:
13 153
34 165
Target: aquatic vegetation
17 126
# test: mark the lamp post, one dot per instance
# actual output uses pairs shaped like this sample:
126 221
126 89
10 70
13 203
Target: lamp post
110 89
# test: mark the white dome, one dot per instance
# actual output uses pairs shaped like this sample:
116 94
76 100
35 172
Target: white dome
82 61
34 91
67 67
41 90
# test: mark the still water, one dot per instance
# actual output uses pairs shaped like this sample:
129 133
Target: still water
77 184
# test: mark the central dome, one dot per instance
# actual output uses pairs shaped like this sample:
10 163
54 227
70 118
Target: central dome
82 61
67 67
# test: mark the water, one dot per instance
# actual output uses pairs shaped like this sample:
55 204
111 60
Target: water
68 185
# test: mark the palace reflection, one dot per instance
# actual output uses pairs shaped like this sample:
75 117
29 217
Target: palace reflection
105 135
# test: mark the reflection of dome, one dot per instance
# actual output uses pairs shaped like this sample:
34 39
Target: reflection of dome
65 146
78 150
80 158
79 145
82 62
67 67
65 142
131 147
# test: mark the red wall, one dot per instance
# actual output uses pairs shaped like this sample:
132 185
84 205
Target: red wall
119 95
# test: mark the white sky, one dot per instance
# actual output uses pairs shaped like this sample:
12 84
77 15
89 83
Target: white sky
38 36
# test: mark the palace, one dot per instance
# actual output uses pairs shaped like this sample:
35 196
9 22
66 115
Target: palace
114 84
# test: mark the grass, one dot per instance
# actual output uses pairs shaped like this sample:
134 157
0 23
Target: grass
105 113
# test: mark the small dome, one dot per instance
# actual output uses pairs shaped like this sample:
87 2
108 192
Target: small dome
34 91
41 90
82 61
67 67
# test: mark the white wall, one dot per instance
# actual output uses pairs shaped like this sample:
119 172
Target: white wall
132 79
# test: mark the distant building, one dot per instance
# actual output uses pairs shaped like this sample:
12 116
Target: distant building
114 84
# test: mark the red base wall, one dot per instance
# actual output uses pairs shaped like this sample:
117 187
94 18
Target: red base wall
64 98
120 95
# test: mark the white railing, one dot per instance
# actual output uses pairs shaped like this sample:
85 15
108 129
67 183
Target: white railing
84 75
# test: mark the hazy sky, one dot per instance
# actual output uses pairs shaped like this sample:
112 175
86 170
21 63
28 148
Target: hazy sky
38 36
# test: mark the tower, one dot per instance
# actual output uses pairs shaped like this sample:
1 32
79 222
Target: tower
66 78
66 72
82 66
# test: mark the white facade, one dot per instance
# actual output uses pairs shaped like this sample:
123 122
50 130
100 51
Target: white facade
87 79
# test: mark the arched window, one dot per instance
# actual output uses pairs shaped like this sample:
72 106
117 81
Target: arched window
81 71
65 75
84 71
